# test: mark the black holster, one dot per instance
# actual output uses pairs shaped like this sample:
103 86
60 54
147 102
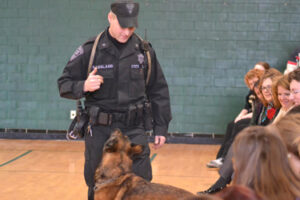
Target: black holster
148 119
131 115
135 114
79 124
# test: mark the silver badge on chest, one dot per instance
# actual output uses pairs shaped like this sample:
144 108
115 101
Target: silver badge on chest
141 58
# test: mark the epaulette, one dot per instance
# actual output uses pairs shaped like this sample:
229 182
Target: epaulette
80 50
90 40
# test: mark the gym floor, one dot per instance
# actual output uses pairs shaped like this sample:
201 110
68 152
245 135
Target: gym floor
53 169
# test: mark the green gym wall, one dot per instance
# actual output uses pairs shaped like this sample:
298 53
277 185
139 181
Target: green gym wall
205 48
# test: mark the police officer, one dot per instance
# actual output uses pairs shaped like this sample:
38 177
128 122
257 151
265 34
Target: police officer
115 89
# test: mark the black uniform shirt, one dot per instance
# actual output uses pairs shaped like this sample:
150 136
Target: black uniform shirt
124 79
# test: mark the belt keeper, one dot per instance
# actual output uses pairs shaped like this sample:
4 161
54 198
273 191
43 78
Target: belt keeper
110 118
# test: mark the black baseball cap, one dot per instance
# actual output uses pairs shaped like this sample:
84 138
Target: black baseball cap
127 12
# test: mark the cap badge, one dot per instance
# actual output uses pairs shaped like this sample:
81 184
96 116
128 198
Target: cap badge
130 7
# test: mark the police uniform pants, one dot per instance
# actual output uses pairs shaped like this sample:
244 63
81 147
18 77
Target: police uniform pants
94 143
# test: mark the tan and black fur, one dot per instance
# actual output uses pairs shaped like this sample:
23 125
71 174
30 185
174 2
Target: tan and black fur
114 179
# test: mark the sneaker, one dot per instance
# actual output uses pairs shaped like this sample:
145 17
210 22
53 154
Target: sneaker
215 163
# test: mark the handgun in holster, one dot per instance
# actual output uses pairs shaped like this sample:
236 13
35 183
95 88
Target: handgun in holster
79 124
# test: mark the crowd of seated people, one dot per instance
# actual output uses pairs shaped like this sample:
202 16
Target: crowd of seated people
243 118
276 98
264 114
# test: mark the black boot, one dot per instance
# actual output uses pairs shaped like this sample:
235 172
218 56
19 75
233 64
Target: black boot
91 193
218 186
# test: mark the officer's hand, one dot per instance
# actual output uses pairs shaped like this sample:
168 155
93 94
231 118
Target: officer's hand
159 141
93 82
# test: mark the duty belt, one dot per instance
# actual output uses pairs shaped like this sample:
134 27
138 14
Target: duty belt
133 116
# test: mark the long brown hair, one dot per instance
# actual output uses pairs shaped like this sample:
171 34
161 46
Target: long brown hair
272 73
261 163
289 129
280 81
238 192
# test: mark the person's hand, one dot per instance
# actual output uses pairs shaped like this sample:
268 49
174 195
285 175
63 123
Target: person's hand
237 119
246 116
93 82
159 141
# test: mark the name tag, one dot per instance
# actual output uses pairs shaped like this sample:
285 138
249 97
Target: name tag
107 66
135 66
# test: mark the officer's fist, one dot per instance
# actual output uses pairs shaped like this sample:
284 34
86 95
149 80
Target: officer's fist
93 82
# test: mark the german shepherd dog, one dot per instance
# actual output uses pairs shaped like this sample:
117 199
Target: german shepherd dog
114 179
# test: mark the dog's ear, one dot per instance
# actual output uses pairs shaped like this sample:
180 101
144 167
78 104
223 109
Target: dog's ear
111 145
135 149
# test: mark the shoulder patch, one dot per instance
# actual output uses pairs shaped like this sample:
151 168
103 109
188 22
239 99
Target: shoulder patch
79 51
